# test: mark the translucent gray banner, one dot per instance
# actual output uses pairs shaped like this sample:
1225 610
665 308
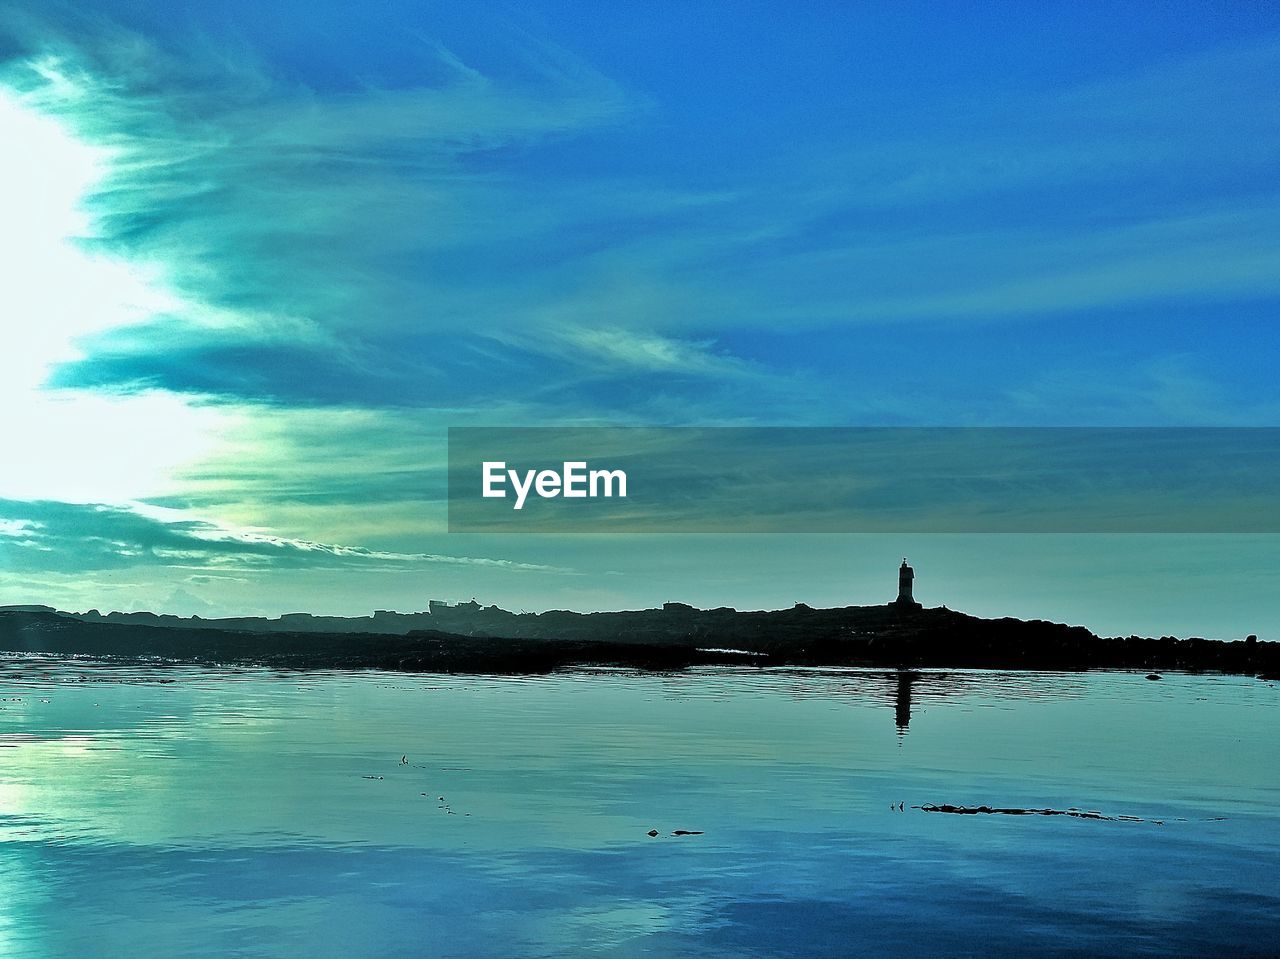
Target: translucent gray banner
872 480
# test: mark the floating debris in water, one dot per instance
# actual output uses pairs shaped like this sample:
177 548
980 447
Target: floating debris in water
686 832
652 832
370 777
1072 812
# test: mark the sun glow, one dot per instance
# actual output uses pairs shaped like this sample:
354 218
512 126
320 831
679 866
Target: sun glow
56 289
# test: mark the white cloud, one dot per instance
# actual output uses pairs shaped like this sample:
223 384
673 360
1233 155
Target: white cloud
99 536
606 349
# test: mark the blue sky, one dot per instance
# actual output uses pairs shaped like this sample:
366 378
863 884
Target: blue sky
257 260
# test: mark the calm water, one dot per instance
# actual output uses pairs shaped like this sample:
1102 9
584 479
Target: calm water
165 812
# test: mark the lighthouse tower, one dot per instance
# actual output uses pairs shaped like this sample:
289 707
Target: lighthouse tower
906 576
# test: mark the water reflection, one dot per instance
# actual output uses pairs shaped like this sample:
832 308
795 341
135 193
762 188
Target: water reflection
902 701
160 810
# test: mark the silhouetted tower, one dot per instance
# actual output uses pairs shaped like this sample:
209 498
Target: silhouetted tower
906 575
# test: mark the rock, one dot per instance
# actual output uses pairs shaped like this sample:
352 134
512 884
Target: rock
1154 676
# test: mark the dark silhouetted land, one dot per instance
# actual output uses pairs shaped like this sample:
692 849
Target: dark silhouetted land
472 638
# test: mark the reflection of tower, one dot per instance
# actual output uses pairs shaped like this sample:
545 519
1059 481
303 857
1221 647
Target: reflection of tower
902 702
906 576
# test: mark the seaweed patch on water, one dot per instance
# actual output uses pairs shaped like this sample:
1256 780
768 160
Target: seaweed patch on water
1019 811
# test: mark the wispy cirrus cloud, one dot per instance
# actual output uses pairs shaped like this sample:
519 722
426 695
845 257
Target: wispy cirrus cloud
271 200
617 348
338 248
47 537
377 228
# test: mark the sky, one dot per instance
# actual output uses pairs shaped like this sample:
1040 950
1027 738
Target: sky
256 259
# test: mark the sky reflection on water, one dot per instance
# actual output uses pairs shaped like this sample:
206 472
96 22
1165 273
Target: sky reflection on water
244 812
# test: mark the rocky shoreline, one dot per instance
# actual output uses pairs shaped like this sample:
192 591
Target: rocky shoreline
673 638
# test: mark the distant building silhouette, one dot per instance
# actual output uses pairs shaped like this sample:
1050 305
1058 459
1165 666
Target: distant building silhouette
439 605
